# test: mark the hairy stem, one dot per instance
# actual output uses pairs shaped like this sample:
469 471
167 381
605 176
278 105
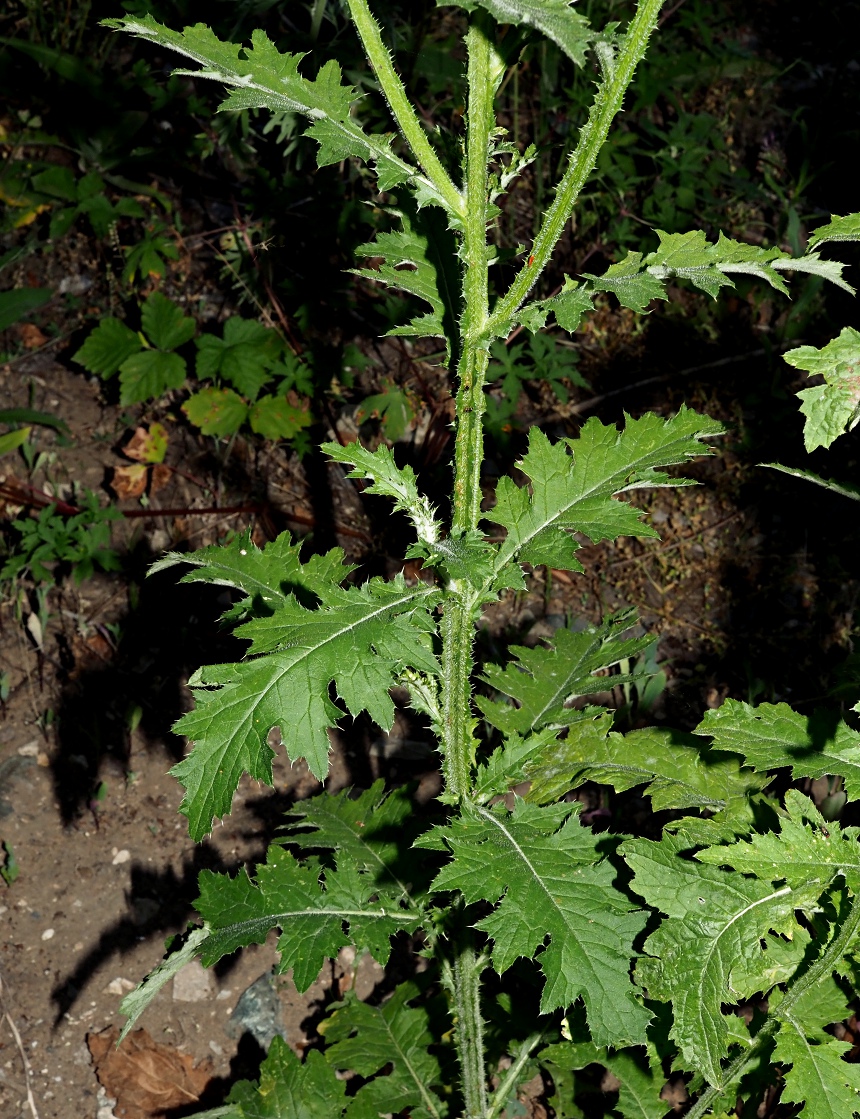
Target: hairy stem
469 446
401 106
459 612
823 967
458 744
470 1028
607 103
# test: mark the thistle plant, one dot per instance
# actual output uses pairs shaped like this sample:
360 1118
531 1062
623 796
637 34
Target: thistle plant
549 948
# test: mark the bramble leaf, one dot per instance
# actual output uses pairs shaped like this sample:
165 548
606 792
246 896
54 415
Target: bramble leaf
164 324
244 356
107 347
545 870
148 375
317 912
834 407
554 18
389 480
262 77
716 922
274 417
288 1088
542 680
771 736
216 411
365 1039
574 483
360 640
837 229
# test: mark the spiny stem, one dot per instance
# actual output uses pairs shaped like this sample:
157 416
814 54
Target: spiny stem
606 105
401 106
458 746
470 1028
823 967
469 447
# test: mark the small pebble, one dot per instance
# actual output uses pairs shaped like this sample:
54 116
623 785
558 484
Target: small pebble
119 986
30 750
120 857
192 983
48 934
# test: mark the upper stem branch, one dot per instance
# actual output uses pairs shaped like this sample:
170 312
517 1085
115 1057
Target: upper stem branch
469 446
401 106
607 103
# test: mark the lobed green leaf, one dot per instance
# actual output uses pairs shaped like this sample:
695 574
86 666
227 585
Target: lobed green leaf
419 259
556 19
772 736
389 480
551 882
542 681
317 913
716 925
837 229
263 77
360 640
834 407
288 1088
369 1039
672 767
574 483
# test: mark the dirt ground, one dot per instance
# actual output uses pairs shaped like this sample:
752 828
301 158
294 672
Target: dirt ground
743 602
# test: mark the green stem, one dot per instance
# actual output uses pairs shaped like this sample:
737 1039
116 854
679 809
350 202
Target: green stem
470 1028
823 967
458 745
469 446
512 1076
401 106
606 105
458 623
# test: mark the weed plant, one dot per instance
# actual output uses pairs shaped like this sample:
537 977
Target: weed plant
721 945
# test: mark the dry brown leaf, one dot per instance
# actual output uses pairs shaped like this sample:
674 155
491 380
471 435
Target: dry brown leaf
145 1078
31 337
129 481
147 445
161 476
